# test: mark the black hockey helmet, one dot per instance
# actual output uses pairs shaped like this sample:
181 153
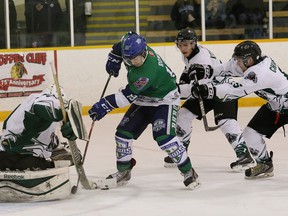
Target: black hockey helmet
248 49
186 35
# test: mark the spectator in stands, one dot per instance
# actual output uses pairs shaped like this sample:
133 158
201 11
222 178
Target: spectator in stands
185 13
12 22
215 15
238 10
43 20
250 15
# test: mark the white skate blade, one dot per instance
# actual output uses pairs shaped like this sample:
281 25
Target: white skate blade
105 184
122 183
242 168
264 175
194 185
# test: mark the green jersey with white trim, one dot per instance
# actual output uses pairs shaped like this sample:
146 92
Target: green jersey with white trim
153 82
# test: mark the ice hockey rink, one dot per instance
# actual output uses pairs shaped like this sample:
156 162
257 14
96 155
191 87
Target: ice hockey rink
158 191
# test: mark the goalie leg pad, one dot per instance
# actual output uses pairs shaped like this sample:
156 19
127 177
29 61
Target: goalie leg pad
32 186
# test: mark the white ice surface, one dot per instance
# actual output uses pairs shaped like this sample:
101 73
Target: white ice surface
158 191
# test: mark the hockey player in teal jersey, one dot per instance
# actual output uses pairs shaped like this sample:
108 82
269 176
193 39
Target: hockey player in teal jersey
154 98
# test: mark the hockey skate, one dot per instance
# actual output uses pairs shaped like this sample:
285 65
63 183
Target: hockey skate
263 169
245 159
191 179
168 163
123 177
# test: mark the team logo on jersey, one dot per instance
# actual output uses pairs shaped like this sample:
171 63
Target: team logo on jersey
141 82
159 124
252 76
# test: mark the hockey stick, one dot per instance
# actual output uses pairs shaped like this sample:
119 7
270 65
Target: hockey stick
203 113
75 187
76 156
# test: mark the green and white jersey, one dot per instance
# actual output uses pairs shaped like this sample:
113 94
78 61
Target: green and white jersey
31 126
153 83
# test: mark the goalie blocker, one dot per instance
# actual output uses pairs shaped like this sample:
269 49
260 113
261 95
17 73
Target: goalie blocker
74 113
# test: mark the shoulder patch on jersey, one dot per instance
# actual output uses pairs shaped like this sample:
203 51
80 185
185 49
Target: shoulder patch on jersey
141 82
151 53
252 76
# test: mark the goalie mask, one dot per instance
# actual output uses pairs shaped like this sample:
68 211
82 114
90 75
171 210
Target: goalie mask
52 92
134 50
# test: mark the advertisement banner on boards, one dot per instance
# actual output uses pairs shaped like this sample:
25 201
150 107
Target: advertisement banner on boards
24 73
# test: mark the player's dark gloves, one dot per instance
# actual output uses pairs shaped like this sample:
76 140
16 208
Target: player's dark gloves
100 109
113 64
201 71
205 91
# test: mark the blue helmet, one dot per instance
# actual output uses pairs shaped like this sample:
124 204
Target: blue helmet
133 45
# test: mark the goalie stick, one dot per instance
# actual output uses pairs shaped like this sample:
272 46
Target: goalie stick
75 187
76 156
203 113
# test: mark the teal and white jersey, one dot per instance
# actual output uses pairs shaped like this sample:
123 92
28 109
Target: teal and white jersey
151 84
31 126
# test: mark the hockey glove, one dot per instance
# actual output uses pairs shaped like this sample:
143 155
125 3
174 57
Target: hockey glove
67 131
100 109
184 78
113 64
205 91
201 71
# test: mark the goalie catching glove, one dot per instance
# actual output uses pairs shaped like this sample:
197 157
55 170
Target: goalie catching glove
205 91
201 71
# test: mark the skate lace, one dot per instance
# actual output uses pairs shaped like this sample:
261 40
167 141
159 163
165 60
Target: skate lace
117 174
120 175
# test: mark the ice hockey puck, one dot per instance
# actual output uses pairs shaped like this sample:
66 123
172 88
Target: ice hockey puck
74 189
105 188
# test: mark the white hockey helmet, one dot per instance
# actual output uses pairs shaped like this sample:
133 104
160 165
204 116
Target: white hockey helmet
52 91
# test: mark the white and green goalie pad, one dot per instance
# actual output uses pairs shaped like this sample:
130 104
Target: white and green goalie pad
32 186
74 112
